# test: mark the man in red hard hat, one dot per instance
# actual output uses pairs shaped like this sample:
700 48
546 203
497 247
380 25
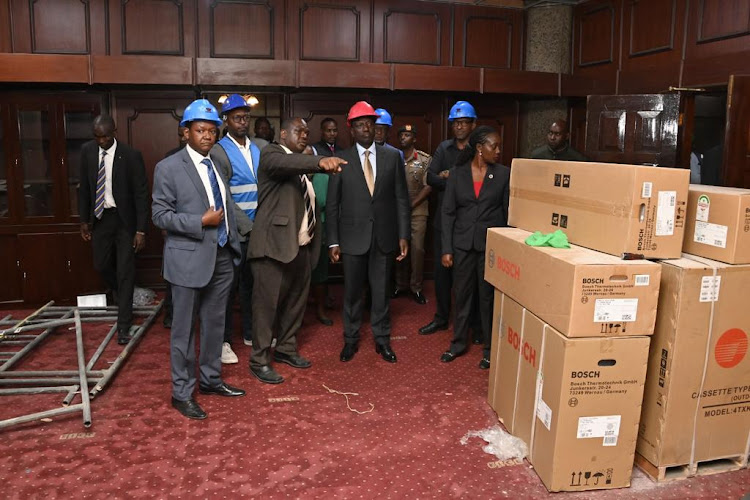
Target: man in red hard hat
368 222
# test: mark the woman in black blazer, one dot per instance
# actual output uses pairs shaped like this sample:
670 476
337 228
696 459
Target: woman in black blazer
476 198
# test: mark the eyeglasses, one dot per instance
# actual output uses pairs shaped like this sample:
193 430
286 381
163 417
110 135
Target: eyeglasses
241 118
462 123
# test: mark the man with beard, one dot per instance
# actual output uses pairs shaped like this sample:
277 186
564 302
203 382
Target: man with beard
284 247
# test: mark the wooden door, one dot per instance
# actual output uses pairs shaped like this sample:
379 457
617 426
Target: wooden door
43 267
637 129
736 161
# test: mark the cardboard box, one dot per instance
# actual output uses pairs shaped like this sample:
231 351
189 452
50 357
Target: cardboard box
718 223
613 208
575 402
697 399
580 292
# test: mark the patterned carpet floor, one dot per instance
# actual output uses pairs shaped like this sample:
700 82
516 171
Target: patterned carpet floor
293 440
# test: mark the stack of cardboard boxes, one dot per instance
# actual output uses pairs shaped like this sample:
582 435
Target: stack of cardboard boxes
572 326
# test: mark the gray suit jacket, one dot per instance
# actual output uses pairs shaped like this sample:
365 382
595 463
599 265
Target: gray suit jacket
179 202
281 206
221 160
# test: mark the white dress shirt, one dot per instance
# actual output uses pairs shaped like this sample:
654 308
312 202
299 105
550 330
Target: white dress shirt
203 173
304 238
109 199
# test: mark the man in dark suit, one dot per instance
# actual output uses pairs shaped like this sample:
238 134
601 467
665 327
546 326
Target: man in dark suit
113 202
201 248
368 220
329 132
284 247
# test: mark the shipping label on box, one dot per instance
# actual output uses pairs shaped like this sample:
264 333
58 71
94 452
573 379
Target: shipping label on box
576 402
697 399
718 223
613 208
580 292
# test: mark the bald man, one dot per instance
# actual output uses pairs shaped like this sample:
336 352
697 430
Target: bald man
558 147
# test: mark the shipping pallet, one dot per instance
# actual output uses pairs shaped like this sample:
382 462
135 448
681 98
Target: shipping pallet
664 473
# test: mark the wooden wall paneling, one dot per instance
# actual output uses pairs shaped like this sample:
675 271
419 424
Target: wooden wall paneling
445 78
344 74
245 72
20 26
10 269
148 122
250 29
99 25
718 41
6 41
488 37
653 38
520 82
582 85
60 26
165 70
736 164
596 39
501 114
411 32
158 27
329 30
43 267
57 68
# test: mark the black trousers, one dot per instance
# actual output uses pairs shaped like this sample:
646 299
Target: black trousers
444 281
279 302
470 287
375 267
243 283
114 259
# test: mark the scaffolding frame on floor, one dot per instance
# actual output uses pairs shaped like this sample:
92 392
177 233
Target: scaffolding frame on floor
29 333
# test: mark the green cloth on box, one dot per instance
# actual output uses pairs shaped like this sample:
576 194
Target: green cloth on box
558 239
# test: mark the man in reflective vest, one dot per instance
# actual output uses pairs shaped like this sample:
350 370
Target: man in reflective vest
238 158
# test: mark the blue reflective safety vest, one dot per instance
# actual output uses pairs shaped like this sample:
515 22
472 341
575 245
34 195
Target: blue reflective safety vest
244 183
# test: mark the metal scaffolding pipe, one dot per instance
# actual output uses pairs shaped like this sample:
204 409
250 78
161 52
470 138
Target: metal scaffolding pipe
50 373
71 394
30 317
30 345
112 370
101 347
82 372
38 416
34 326
42 381
38 390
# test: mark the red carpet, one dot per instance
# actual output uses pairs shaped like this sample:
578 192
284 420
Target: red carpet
294 440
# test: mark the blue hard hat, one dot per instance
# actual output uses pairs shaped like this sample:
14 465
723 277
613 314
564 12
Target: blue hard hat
462 109
200 109
384 117
234 101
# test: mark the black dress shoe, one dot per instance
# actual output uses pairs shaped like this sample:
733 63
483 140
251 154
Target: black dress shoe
397 292
326 321
222 390
266 374
419 298
484 364
448 356
386 352
432 327
293 360
348 352
189 409
124 337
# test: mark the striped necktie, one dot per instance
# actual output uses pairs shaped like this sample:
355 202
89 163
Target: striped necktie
308 206
101 181
221 236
